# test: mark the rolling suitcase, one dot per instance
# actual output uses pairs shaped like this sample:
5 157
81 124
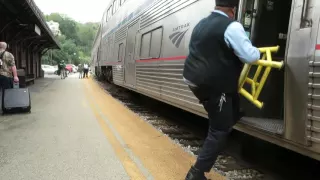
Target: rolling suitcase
16 100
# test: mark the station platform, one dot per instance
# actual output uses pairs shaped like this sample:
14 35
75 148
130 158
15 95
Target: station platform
77 131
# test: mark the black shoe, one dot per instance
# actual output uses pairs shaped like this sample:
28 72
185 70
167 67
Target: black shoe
195 174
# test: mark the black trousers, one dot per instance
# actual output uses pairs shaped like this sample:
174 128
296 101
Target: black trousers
223 112
85 73
5 82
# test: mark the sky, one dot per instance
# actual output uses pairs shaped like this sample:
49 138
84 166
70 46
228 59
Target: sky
79 10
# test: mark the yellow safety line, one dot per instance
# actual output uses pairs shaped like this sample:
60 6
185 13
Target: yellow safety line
130 167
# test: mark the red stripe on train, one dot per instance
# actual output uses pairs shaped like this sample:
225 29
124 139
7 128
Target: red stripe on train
163 59
168 58
112 63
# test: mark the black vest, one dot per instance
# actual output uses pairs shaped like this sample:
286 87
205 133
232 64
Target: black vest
210 61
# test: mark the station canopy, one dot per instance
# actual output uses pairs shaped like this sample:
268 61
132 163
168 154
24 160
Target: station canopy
22 20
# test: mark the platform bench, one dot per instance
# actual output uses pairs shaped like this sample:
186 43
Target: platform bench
30 78
25 79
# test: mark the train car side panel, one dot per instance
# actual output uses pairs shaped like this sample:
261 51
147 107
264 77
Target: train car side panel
120 46
299 52
313 122
176 39
129 60
118 74
146 73
168 32
96 51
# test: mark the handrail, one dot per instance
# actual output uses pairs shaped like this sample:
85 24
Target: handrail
257 86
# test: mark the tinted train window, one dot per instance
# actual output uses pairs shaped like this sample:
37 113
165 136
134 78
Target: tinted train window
122 1
156 38
151 44
110 12
118 4
145 45
120 52
114 6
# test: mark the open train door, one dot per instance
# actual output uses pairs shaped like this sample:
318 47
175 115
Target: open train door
129 62
293 26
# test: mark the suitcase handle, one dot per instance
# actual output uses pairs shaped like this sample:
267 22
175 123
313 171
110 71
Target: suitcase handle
16 85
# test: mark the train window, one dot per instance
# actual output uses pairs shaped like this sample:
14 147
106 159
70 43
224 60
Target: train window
115 6
145 46
151 44
122 1
156 41
109 12
120 52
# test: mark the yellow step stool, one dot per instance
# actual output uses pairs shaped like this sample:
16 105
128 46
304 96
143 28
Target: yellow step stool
256 86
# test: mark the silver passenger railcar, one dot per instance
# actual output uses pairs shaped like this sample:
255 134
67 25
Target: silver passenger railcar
142 44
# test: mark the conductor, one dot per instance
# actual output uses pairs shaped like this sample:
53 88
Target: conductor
218 48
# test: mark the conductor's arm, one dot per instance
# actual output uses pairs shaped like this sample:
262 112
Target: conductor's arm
237 39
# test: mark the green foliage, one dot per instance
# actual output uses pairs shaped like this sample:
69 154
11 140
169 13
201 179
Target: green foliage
76 40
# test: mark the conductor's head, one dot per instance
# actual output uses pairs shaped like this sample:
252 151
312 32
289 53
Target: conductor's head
227 6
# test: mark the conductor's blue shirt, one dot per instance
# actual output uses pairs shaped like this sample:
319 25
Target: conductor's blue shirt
237 39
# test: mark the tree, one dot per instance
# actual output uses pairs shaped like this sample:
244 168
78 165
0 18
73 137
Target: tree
76 40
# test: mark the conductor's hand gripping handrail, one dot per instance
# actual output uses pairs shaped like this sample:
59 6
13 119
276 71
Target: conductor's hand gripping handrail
256 86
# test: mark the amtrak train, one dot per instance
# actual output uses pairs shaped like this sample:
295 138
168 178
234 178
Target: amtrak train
141 45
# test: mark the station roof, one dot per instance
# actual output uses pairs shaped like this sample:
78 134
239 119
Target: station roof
26 13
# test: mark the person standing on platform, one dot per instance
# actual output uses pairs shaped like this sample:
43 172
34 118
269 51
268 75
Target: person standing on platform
218 48
62 68
7 68
80 70
85 70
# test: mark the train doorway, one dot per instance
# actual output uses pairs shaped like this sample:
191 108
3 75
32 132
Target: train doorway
266 22
129 63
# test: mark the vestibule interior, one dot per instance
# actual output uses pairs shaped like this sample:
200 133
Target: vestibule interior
266 22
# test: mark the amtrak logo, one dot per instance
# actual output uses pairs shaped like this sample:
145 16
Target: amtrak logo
178 34
176 37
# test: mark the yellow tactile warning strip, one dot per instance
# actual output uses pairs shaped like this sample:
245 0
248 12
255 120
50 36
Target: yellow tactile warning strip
130 167
145 152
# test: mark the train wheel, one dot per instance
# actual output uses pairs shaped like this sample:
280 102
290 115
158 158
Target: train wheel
109 75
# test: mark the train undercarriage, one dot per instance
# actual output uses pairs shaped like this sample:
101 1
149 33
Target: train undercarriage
104 73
